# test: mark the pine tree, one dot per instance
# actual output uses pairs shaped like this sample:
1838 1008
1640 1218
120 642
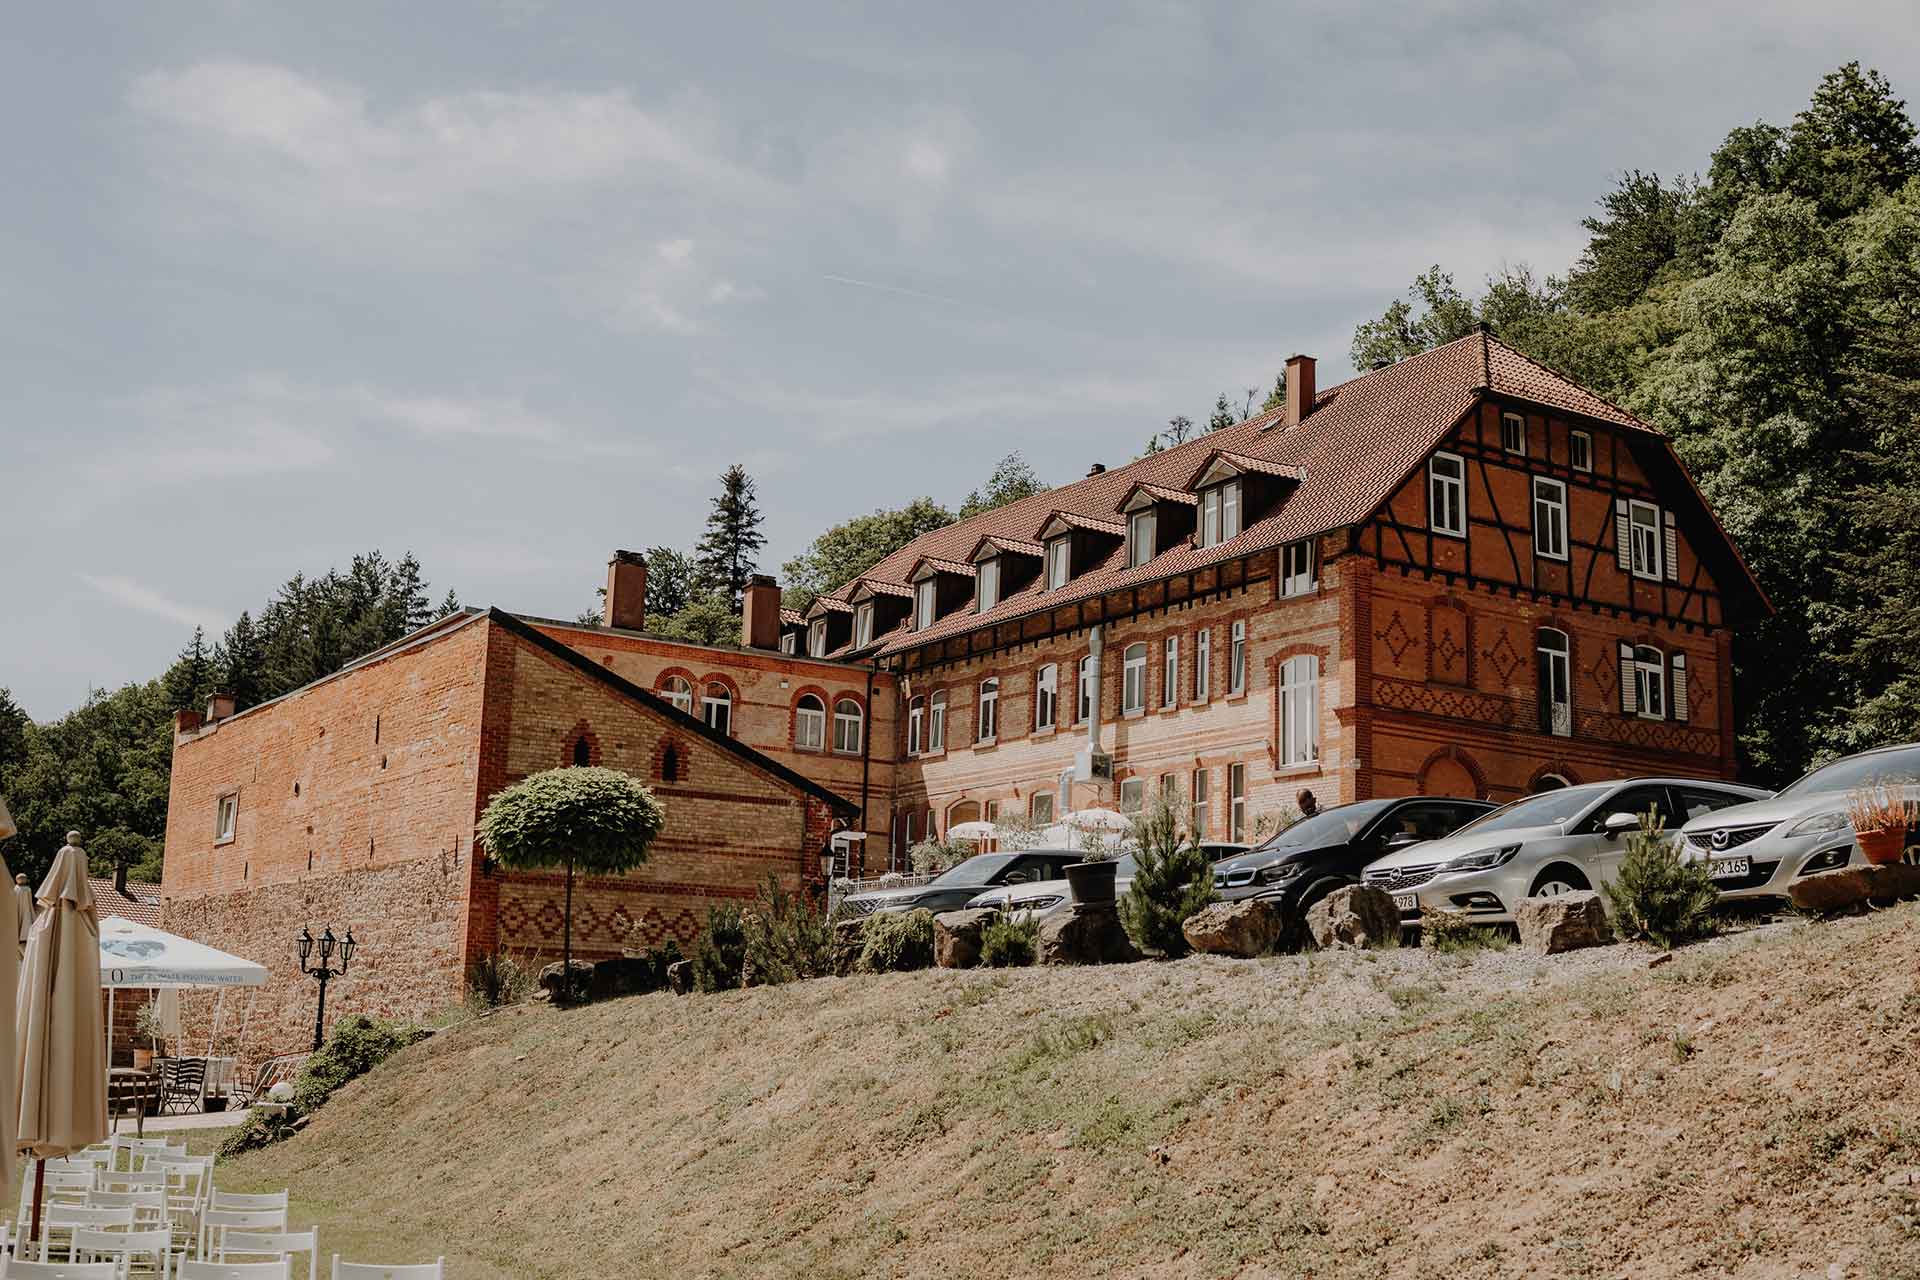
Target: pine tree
449 603
728 552
191 678
1173 881
243 662
1223 414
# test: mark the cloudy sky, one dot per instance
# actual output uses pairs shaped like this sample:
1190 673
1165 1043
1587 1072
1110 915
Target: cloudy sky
509 284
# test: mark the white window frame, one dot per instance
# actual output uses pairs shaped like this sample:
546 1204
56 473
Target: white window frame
1133 795
816 641
1652 529
809 723
989 718
717 710
849 726
1297 575
937 721
1140 537
1084 692
1580 451
678 691
790 643
1300 710
1447 495
1206 529
1230 521
926 598
863 623
1513 433
1040 808
1237 660
1170 672
1649 678
226 818
917 725
1202 782
986 582
1237 803
1549 518
1219 514
1557 661
1046 698
1133 680
1203 664
1059 562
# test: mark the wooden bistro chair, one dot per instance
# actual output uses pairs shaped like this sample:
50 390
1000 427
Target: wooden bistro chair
90 1244
271 1244
435 1270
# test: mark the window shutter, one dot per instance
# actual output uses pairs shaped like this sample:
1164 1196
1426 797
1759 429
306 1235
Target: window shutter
1629 694
1679 710
1672 548
1622 534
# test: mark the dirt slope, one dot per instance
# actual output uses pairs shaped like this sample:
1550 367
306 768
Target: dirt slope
1750 1109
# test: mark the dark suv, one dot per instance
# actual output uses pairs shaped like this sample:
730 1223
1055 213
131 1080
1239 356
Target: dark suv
1317 855
953 887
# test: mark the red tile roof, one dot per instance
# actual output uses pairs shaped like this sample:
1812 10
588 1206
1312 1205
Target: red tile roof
1159 493
140 904
1361 440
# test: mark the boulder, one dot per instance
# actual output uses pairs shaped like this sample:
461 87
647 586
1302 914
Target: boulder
1850 887
621 976
1083 933
849 939
550 979
1564 922
680 977
1248 928
956 937
1354 916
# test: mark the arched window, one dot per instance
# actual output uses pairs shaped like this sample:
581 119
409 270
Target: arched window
1084 709
1299 710
989 709
670 764
809 723
917 726
1555 682
1549 782
937 722
1133 681
1650 682
717 707
1046 697
678 692
582 753
846 727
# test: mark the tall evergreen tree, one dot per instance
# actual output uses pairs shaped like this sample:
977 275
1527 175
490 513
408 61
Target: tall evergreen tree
192 676
1223 415
243 661
729 550
13 737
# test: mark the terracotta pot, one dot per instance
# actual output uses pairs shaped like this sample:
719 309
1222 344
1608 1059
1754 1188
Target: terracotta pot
1091 881
1883 846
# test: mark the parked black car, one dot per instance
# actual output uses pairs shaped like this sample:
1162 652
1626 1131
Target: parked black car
953 887
1317 855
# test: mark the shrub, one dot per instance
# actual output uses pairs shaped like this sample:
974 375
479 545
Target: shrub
720 952
1658 895
786 939
499 979
357 1046
897 941
1006 943
262 1129
1173 882
1450 931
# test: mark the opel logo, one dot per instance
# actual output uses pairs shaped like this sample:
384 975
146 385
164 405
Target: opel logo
1720 838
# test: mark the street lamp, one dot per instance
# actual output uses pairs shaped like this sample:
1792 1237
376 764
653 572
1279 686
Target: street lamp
324 970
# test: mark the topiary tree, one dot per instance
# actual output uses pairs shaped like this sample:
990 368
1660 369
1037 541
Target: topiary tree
1174 881
1658 895
600 821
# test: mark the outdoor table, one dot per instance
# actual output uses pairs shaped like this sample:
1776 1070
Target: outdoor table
130 1089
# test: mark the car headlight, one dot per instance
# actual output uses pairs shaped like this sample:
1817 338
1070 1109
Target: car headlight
1280 872
1482 860
1818 824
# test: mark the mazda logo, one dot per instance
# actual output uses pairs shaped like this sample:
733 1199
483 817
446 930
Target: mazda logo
1720 838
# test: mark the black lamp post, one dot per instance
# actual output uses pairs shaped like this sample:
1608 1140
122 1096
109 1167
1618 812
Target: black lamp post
324 970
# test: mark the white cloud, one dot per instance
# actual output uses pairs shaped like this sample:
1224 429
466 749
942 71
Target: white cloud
138 596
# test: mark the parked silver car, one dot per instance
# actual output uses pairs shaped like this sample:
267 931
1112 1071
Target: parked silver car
1759 850
1551 843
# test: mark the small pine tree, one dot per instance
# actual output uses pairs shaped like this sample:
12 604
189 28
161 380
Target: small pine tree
720 952
190 679
1658 895
787 939
1174 880
243 659
728 551
1223 414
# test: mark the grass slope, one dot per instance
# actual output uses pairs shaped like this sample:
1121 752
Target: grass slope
1743 1110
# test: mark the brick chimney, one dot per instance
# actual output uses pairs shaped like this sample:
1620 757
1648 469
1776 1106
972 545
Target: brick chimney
186 720
626 602
1299 389
220 705
760 613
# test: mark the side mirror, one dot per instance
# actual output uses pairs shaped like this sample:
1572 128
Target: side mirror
1620 824
1017 877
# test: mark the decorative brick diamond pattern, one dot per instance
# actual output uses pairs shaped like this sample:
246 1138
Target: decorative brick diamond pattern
1462 704
1396 637
1503 657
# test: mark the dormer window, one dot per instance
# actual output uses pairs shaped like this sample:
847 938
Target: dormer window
1059 562
817 638
987 583
925 596
863 624
1220 514
1140 538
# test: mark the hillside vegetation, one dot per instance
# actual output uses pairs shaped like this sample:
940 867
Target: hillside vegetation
1748 1109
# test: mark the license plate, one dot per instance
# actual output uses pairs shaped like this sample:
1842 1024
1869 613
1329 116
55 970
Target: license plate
1407 901
1728 868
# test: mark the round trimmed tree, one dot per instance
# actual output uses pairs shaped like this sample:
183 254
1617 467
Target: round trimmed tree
598 821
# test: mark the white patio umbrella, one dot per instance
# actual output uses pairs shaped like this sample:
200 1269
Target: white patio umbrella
138 955
1099 820
972 831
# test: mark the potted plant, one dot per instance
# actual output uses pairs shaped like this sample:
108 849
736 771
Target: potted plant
1091 878
146 1026
1880 815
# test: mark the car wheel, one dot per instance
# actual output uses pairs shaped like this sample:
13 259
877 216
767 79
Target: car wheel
1557 880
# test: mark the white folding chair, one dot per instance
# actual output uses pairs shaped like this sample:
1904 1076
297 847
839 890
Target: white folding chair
248 1199
66 1218
215 1223
130 1180
275 1244
90 1244
198 1270
435 1270
149 1207
65 1270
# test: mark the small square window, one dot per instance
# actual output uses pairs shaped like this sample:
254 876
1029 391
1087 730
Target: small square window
1513 433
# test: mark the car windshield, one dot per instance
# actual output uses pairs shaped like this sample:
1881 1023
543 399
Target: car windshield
1548 809
980 869
1902 766
1330 826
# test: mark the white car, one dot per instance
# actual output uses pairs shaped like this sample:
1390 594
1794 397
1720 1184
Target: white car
1552 843
1759 850
1023 901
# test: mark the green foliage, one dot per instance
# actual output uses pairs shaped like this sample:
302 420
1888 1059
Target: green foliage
848 550
706 619
260 1129
597 821
1451 932
787 939
934 855
358 1045
896 941
1657 895
729 549
1223 415
1012 480
720 952
499 979
1174 880
1007 943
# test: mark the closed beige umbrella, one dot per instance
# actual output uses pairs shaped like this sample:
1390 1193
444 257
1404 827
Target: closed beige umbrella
22 910
61 1050
9 985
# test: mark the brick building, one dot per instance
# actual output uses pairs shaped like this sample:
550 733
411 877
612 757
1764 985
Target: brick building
1460 574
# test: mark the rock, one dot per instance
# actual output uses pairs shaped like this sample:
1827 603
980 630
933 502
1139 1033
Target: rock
1248 928
1848 887
1354 916
621 976
1665 957
1083 933
550 979
849 939
956 937
680 977
1564 922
